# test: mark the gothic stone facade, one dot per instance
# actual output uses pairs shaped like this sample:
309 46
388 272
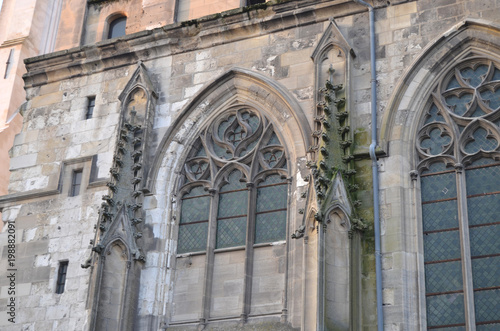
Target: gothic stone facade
223 179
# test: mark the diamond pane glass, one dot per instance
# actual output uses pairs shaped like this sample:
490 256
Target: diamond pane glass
484 209
224 125
447 309
270 227
434 115
459 104
436 167
195 209
200 151
478 112
441 246
491 98
440 215
453 83
483 180
192 237
487 305
481 141
443 277
488 327
485 240
253 121
231 232
273 179
271 198
222 153
453 328
274 140
436 143
196 191
438 187
482 161
486 272
233 182
233 204
496 75
474 77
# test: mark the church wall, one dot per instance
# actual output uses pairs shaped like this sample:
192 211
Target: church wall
56 139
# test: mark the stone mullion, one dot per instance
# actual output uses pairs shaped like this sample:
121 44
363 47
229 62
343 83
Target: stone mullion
418 226
247 282
210 257
470 320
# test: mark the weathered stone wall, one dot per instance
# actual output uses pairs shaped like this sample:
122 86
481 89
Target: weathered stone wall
183 62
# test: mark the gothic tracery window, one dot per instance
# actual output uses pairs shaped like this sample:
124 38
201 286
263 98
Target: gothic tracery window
459 150
235 178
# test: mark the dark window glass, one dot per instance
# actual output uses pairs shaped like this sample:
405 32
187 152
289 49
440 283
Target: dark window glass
90 107
61 276
117 27
254 2
232 212
270 222
193 226
76 182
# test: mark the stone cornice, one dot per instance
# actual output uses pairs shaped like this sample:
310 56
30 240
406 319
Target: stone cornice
230 26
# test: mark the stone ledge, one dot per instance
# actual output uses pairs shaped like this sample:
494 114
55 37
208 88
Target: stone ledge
205 32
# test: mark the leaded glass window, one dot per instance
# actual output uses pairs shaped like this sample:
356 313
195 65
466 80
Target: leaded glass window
459 152
235 178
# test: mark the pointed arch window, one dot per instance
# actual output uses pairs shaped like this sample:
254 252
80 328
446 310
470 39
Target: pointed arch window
459 150
235 179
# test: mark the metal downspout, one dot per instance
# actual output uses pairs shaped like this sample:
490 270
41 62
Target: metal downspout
373 156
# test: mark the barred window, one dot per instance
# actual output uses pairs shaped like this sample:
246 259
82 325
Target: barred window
458 147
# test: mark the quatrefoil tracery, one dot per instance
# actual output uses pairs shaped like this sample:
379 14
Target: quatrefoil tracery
465 108
240 138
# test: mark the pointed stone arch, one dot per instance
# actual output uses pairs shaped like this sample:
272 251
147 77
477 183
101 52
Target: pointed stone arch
236 87
108 311
235 90
402 129
471 36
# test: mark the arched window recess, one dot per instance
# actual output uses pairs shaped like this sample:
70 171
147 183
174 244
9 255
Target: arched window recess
235 175
458 145
116 26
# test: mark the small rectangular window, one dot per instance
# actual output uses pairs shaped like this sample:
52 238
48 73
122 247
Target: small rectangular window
76 182
61 276
254 2
90 107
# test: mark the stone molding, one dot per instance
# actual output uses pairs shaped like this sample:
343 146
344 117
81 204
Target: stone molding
206 32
